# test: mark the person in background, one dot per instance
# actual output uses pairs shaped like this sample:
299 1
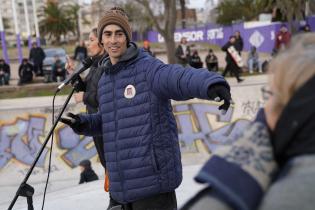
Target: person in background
239 43
253 60
135 116
147 48
183 52
271 166
212 61
87 173
283 38
307 28
231 65
5 73
58 70
26 70
37 56
87 92
195 60
80 52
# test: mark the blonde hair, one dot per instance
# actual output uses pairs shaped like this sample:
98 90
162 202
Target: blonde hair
292 68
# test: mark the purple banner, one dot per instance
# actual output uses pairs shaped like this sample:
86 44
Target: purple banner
4 48
258 34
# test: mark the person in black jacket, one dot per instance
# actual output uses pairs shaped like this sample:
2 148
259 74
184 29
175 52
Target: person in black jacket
87 173
195 60
239 44
231 65
5 73
212 61
183 52
80 52
37 56
88 91
25 72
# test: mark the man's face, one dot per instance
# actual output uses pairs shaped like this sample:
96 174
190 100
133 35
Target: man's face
184 41
232 40
114 41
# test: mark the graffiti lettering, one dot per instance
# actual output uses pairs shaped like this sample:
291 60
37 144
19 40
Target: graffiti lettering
250 108
77 149
195 121
193 124
20 140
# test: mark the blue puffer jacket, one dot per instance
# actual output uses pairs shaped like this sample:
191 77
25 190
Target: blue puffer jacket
140 133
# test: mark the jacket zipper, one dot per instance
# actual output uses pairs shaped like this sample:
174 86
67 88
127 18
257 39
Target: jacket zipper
116 147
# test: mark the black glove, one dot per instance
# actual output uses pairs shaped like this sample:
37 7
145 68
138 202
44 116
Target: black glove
73 121
78 85
219 93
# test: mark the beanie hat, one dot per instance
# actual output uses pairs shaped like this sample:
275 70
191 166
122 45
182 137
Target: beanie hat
116 16
85 163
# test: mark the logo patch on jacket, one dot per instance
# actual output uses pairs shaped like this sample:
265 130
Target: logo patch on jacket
130 91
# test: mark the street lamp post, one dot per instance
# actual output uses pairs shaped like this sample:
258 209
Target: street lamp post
28 31
17 32
3 43
36 23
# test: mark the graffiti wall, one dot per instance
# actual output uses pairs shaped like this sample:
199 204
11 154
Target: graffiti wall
24 124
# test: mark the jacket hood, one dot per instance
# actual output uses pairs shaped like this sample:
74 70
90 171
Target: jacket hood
295 130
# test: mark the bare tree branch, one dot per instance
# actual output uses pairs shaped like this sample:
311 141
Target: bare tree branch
146 4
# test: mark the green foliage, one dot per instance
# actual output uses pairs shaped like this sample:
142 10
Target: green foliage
57 20
230 11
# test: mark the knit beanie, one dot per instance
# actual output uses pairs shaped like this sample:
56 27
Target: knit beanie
116 16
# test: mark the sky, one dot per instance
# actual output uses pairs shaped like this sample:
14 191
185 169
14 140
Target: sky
196 3
192 3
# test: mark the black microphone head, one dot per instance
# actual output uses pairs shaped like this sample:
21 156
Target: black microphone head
87 62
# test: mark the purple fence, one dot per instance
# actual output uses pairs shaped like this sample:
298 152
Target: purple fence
258 34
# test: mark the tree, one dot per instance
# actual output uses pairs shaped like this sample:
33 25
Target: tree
55 21
230 11
183 11
139 19
169 19
292 10
72 12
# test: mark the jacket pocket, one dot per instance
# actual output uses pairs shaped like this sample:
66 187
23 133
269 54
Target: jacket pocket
154 160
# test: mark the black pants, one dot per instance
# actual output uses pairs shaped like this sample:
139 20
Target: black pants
163 201
38 68
233 69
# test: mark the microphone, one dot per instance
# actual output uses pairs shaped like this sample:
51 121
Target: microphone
86 64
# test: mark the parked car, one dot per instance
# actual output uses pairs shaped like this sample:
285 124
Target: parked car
50 59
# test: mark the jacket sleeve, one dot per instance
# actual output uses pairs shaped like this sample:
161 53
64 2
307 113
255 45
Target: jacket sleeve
173 81
90 97
91 83
226 46
92 124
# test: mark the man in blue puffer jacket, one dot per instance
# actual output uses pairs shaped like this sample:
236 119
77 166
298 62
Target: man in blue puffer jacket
135 116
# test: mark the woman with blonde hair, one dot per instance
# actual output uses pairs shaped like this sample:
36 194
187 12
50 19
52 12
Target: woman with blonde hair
271 166
87 92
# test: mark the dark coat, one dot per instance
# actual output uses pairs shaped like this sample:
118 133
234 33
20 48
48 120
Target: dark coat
90 99
239 44
79 50
5 68
179 52
37 55
26 71
91 83
88 175
137 123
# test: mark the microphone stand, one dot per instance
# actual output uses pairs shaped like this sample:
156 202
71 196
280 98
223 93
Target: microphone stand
26 190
